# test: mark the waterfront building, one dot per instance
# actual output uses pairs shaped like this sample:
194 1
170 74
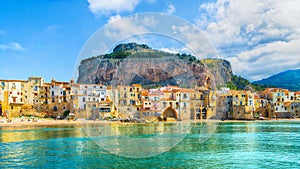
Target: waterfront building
261 106
85 99
4 104
243 105
11 98
130 102
225 107
59 98
279 102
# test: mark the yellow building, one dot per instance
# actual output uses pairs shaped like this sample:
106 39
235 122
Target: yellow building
243 105
11 98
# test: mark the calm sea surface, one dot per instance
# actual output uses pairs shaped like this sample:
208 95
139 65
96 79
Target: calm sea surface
230 145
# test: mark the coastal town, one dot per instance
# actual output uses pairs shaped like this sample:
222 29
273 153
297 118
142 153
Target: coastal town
68 100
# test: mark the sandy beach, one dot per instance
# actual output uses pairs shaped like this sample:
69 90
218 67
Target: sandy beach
48 122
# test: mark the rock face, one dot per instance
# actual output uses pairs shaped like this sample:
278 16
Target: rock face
220 69
132 63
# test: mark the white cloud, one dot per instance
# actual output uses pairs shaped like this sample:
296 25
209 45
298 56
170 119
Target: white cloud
170 50
114 18
125 26
171 9
260 38
12 46
106 7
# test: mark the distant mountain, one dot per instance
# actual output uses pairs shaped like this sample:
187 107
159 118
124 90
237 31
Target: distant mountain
289 79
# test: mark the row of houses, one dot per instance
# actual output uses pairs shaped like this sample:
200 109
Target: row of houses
95 101
270 103
36 97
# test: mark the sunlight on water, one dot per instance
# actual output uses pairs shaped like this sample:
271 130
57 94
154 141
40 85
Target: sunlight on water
233 145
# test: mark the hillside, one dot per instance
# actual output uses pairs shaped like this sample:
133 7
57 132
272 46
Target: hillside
289 79
133 63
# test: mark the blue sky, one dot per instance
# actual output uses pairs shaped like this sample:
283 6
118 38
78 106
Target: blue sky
44 38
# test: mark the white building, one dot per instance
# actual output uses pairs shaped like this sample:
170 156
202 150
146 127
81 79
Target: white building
15 92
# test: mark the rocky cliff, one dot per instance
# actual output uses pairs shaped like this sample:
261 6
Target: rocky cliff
220 69
133 63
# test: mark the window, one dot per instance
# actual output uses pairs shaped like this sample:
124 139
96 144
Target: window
83 99
13 86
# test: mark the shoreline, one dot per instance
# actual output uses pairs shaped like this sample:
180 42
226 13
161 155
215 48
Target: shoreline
49 122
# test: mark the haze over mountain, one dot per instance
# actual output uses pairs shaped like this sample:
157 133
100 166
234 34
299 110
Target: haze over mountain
289 79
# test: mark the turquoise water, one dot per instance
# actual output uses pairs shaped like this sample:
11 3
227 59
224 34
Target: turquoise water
232 145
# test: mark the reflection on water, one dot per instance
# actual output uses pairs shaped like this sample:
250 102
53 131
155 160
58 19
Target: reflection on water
233 145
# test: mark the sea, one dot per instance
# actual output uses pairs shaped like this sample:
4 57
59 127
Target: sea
252 144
